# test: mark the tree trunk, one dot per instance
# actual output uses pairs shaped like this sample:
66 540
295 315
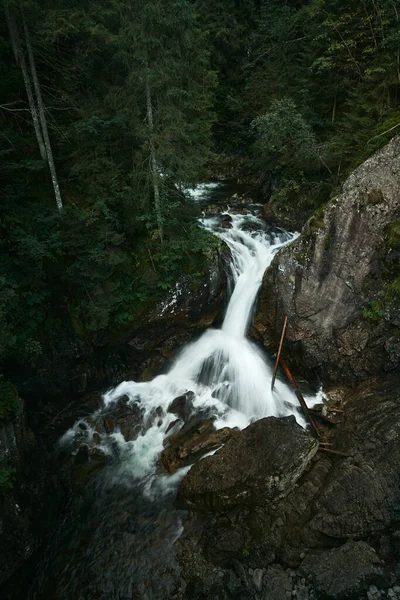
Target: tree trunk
43 122
20 59
153 161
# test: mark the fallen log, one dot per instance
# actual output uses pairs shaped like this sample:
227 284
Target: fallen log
299 397
321 407
333 451
279 354
325 418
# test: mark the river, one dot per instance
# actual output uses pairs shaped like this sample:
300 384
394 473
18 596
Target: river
120 537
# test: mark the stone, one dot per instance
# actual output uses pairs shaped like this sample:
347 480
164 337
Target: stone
345 572
191 443
361 497
256 466
182 406
323 281
258 575
277 584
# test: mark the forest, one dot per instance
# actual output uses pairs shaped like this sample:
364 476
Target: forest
111 109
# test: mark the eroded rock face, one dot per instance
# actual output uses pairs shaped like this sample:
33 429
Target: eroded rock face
259 465
338 265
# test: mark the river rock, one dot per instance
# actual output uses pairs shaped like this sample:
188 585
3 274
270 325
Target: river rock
182 406
326 280
256 466
277 584
345 572
192 442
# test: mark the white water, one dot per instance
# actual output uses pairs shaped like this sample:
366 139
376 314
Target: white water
230 376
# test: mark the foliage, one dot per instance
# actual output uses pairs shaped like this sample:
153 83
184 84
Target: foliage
373 312
393 236
9 404
301 91
285 140
92 267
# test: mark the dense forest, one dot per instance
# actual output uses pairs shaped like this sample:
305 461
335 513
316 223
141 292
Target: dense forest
111 109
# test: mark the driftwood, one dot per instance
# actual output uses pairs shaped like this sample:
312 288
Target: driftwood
299 397
320 407
333 451
279 353
322 417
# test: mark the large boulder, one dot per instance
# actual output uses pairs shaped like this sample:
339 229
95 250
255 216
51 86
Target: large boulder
345 572
259 465
332 282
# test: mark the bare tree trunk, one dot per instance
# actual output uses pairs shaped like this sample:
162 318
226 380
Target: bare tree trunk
153 161
20 59
43 122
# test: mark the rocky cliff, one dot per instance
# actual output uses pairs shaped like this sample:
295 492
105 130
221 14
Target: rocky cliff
337 282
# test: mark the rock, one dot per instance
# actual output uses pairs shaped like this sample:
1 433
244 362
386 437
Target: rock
191 442
256 466
258 579
277 584
345 572
29 508
82 455
336 268
182 406
361 497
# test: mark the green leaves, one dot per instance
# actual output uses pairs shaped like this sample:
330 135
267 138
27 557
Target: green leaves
284 137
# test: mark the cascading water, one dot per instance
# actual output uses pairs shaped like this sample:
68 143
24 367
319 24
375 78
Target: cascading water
120 535
229 375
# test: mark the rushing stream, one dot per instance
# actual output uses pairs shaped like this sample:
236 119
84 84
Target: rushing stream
119 540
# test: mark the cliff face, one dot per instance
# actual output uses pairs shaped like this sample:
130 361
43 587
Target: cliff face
28 508
334 282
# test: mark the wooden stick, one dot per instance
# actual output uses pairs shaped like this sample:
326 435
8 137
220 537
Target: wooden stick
279 353
326 418
299 396
334 451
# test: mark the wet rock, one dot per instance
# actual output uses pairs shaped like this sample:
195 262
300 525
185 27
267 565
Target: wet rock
326 278
82 456
277 584
182 405
258 575
191 442
345 572
123 416
258 465
361 495
29 508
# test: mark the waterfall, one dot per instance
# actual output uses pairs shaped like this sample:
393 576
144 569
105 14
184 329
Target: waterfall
127 538
229 374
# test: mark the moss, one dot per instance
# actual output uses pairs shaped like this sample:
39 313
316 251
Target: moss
373 312
392 290
301 257
372 198
317 220
393 236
